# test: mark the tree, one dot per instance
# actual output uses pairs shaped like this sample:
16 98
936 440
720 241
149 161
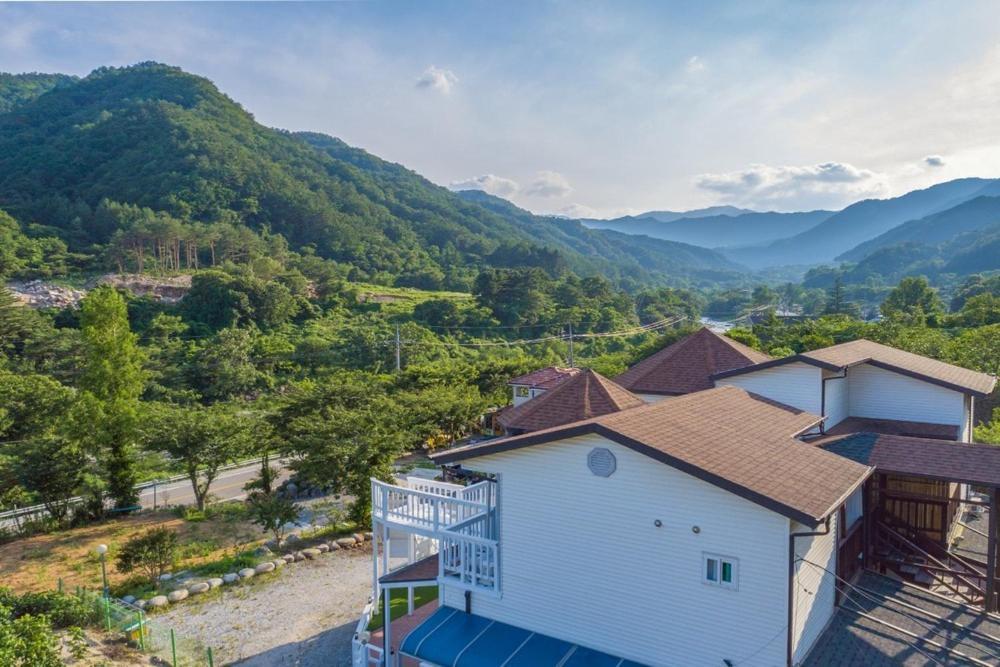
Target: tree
273 513
151 553
837 303
913 301
203 438
27 641
112 380
53 469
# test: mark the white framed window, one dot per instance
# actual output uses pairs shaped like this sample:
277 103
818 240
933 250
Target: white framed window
521 391
721 571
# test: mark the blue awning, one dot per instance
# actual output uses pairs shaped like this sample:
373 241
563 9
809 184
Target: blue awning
452 638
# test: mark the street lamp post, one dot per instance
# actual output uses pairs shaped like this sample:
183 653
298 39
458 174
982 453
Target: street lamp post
101 550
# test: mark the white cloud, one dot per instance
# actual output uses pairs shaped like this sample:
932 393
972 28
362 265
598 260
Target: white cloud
577 211
548 184
491 183
694 65
435 78
934 161
829 183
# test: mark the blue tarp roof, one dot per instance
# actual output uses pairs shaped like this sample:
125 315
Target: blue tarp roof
452 638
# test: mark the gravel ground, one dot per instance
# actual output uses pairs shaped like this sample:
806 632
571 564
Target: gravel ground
305 616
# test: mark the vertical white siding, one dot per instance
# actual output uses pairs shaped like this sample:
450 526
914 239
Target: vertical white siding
969 408
815 589
882 394
795 384
836 400
582 560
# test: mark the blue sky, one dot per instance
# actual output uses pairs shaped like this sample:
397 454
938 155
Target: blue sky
587 108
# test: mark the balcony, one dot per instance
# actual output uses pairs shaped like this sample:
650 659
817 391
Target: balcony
461 519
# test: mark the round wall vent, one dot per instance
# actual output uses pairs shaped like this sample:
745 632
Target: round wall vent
601 462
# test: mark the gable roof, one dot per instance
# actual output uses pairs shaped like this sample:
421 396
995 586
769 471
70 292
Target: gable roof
545 378
738 441
845 355
586 394
688 364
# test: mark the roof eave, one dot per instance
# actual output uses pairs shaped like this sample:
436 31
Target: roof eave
776 362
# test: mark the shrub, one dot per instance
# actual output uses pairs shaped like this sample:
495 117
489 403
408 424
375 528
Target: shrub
61 609
151 553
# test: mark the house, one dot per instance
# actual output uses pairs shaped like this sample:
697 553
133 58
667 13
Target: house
583 395
688 365
727 525
536 383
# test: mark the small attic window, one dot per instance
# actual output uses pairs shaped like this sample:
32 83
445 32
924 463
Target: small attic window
521 391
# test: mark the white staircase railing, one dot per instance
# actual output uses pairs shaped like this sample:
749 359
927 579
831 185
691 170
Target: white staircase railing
472 562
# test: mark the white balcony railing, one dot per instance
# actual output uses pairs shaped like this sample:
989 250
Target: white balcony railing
471 562
427 512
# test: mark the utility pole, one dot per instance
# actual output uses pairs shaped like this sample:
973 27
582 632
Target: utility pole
398 365
571 345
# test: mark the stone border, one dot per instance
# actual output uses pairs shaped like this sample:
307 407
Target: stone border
196 588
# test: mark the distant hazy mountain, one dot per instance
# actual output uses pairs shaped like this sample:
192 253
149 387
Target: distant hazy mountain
968 216
670 216
656 257
861 222
729 230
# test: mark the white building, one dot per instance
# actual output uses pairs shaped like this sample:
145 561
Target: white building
709 529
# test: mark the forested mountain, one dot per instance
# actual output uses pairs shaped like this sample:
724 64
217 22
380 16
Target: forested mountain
16 89
863 221
970 216
723 230
654 255
154 136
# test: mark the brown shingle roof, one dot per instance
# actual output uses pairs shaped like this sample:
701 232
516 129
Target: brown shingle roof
688 364
738 441
895 427
587 394
545 378
866 351
845 355
922 457
425 569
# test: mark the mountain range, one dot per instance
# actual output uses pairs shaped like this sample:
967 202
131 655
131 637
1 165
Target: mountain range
158 137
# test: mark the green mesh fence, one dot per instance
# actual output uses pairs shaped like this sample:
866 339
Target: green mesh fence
148 635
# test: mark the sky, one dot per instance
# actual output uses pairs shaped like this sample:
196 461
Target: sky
585 108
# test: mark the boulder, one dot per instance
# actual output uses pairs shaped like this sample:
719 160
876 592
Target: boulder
334 546
158 601
199 588
368 536
347 543
262 551
141 604
178 595
264 567
230 578
299 556
323 547
289 558
247 573
280 562
129 599
215 582
311 554
166 576
291 489
359 538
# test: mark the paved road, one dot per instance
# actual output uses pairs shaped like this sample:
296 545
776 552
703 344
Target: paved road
227 486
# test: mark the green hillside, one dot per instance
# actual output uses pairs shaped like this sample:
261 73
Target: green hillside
154 136
17 89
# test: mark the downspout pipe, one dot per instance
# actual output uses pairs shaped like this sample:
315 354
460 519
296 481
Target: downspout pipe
791 581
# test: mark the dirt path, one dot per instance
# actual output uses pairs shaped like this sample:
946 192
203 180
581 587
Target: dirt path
304 617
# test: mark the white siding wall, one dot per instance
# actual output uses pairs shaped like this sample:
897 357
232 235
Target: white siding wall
854 506
882 394
836 401
582 560
795 384
815 589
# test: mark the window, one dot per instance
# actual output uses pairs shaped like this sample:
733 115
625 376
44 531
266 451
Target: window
521 391
721 571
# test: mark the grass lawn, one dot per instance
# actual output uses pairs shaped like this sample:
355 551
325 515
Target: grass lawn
397 607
